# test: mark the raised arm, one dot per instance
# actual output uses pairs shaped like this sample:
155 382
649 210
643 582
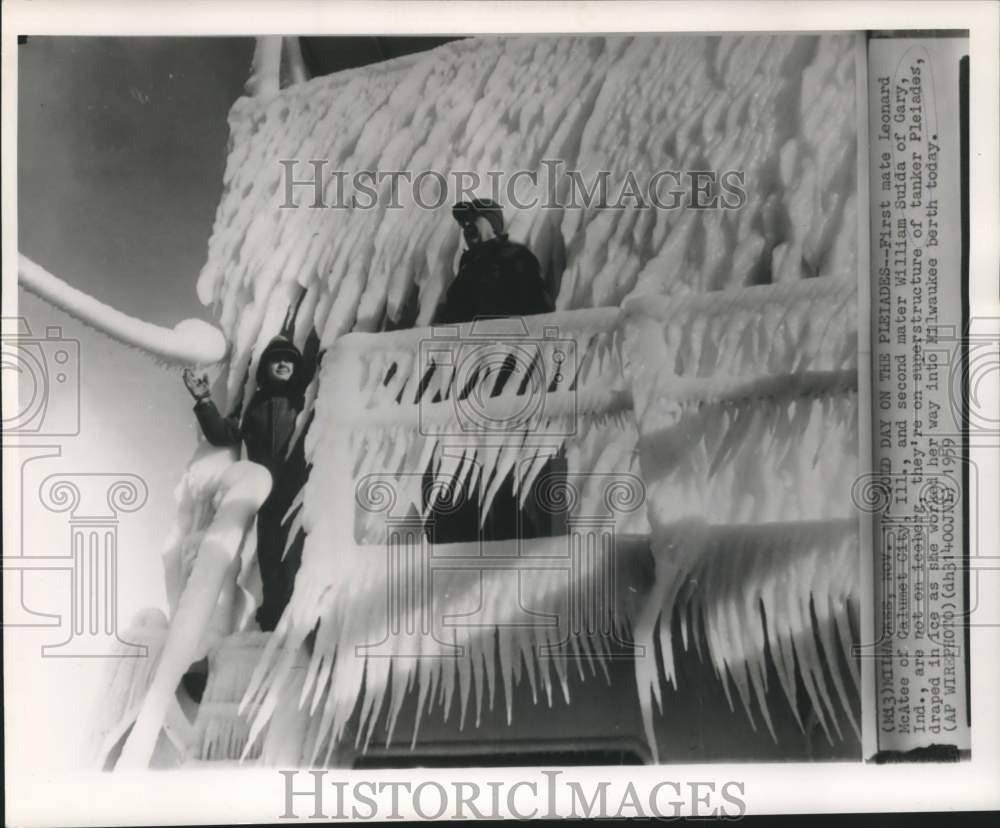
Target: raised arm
218 430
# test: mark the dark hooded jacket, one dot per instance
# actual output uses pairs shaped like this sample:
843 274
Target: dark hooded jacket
266 429
267 425
497 277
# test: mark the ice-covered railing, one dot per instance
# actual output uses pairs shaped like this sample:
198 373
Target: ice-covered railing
478 403
746 407
741 412
372 448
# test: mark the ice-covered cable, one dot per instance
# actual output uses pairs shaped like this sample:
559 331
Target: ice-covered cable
189 342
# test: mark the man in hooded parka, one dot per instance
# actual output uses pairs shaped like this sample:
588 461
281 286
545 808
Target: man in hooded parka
266 429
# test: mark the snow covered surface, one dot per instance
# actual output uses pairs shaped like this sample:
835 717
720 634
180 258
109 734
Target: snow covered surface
198 496
205 608
780 108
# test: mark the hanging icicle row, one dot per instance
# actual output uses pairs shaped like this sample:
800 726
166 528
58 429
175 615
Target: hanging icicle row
747 412
366 660
470 106
780 594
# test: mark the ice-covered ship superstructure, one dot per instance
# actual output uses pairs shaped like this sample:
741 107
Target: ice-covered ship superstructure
708 417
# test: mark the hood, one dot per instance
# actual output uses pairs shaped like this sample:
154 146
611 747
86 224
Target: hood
279 345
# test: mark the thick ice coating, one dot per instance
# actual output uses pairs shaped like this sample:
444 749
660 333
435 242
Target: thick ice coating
778 109
715 366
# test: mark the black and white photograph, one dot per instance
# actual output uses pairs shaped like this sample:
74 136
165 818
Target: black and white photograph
448 401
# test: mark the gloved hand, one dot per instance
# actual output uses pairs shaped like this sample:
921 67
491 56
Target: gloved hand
197 385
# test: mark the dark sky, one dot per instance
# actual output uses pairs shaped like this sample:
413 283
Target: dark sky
122 145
